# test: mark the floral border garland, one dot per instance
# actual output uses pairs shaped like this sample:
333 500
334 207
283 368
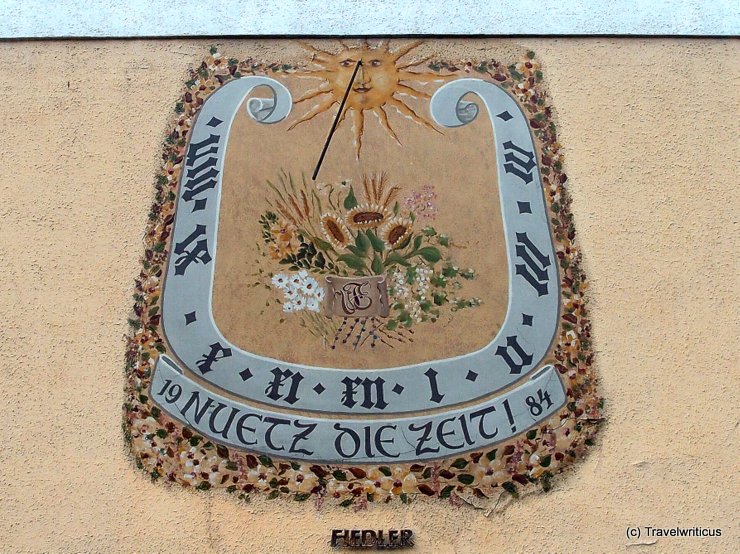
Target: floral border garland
169 451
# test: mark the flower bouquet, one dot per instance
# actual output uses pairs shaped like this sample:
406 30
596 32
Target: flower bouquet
383 271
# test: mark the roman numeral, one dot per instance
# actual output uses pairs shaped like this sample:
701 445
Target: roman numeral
217 353
518 165
198 253
372 392
522 358
274 389
534 268
202 178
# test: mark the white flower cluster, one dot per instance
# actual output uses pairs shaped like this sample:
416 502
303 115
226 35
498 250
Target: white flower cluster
412 295
301 291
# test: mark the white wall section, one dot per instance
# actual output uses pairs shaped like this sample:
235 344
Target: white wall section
163 18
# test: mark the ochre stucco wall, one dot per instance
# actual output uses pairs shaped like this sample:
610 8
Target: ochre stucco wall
650 137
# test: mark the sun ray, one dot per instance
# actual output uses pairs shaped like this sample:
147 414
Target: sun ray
341 117
414 63
313 112
423 77
313 73
406 110
358 125
405 49
317 52
405 89
324 88
383 116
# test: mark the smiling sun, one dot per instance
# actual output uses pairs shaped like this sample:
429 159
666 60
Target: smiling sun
380 82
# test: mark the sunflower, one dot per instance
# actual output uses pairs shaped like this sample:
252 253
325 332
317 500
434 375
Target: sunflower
367 216
335 230
396 231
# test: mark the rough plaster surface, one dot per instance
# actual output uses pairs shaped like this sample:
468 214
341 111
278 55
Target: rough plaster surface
651 143
163 18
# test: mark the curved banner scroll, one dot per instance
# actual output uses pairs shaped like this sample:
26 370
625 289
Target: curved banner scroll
356 440
516 350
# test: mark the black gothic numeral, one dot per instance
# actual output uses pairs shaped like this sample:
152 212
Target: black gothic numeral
534 268
518 165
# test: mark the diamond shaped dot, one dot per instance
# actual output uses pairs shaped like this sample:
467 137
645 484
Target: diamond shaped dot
527 320
245 374
398 389
214 122
190 318
506 116
319 388
471 376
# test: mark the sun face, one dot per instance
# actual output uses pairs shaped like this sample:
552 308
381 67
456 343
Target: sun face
381 82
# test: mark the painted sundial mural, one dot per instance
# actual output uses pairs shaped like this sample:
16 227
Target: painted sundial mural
361 281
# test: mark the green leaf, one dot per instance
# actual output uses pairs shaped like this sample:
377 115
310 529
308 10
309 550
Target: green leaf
362 242
346 503
417 242
460 463
301 496
377 244
203 486
350 201
429 253
385 470
532 434
356 251
339 475
322 244
377 265
511 489
395 258
161 433
396 208
231 466
546 460
429 231
403 244
391 325
491 455
447 491
273 495
352 261
466 478
404 498
265 461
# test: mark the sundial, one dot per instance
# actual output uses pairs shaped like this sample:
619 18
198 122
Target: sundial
361 267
